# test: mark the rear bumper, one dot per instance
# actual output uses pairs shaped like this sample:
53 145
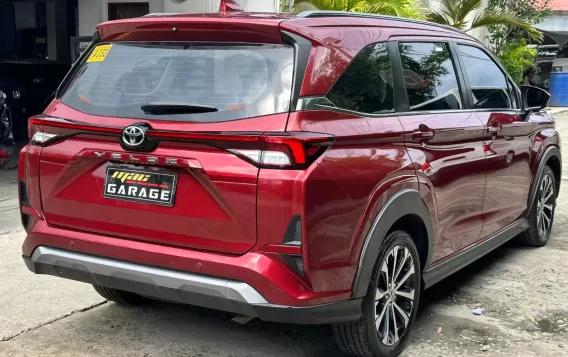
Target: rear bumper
183 287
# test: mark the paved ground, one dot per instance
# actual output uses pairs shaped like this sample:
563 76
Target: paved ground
524 292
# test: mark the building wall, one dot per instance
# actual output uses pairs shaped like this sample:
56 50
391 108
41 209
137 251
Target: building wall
90 15
191 6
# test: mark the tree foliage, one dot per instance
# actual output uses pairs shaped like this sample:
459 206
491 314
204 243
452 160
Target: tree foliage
509 43
530 11
401 8
456 13
517 57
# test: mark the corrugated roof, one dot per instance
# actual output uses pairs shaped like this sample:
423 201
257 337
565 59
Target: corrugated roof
558 5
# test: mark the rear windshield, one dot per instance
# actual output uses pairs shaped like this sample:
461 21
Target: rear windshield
241 81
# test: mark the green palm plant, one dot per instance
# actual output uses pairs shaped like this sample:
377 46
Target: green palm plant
456 13
401 8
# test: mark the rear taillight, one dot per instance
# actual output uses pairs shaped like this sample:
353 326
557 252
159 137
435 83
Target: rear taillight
293 150
282 150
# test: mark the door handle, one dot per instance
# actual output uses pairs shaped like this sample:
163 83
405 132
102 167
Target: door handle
422 135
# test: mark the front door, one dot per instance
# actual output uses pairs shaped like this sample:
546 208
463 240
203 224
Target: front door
445 142
507 143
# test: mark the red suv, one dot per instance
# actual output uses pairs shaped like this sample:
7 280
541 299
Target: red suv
316 168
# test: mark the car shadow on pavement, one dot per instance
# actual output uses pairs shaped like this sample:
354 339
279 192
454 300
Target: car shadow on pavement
170 329
452 284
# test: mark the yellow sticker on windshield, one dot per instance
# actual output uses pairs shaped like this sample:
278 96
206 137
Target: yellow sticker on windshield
99 53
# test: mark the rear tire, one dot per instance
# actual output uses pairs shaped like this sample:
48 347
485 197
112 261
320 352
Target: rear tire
378 334
541 214
120 297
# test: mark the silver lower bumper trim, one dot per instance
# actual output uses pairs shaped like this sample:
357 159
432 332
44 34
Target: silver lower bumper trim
182 287
156 279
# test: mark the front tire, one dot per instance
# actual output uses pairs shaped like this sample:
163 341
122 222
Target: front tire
541 214
389 308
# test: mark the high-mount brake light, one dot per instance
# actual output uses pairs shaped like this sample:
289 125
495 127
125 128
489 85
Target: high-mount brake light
230 6
280 150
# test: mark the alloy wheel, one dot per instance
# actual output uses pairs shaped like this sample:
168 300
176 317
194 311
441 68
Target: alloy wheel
545 206
395 295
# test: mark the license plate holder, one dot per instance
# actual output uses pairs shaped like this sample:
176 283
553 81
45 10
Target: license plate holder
144 186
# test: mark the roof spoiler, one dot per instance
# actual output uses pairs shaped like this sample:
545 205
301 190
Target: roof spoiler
230 6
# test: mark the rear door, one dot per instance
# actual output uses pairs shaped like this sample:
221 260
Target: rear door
507 141
444 140
200 108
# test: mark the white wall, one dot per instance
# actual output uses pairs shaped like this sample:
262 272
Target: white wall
192 6
259 5
213 5
89 16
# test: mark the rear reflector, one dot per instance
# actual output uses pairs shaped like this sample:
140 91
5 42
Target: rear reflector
282 150
39 138
283 249
265 158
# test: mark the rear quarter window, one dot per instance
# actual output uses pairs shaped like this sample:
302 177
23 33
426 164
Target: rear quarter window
366 85
241 81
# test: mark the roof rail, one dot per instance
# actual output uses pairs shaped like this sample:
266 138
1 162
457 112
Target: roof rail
326 13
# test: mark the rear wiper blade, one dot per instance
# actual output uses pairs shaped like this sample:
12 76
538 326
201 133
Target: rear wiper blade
161 108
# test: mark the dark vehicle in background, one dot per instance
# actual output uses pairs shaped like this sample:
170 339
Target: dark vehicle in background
311 168
6 137
35 54
539 74
15 94
29 88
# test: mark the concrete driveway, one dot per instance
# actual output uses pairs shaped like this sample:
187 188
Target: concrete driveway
524 292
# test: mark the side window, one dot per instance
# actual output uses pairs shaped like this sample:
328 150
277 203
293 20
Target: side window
366 85
489 85
429 77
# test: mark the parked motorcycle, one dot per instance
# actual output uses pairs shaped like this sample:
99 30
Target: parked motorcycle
6 136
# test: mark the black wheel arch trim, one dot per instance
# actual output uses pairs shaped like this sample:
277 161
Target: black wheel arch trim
405 202
552 151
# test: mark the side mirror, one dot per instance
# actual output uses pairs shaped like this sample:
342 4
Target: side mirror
2 98
534 98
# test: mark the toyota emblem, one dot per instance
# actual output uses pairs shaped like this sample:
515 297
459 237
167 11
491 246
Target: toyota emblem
133 136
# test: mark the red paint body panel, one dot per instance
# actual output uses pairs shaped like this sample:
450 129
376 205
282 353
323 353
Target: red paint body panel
216 202
454 176
510 166
359 173
272 279
235 217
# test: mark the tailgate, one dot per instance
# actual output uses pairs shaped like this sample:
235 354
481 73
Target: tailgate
198 110
212 193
